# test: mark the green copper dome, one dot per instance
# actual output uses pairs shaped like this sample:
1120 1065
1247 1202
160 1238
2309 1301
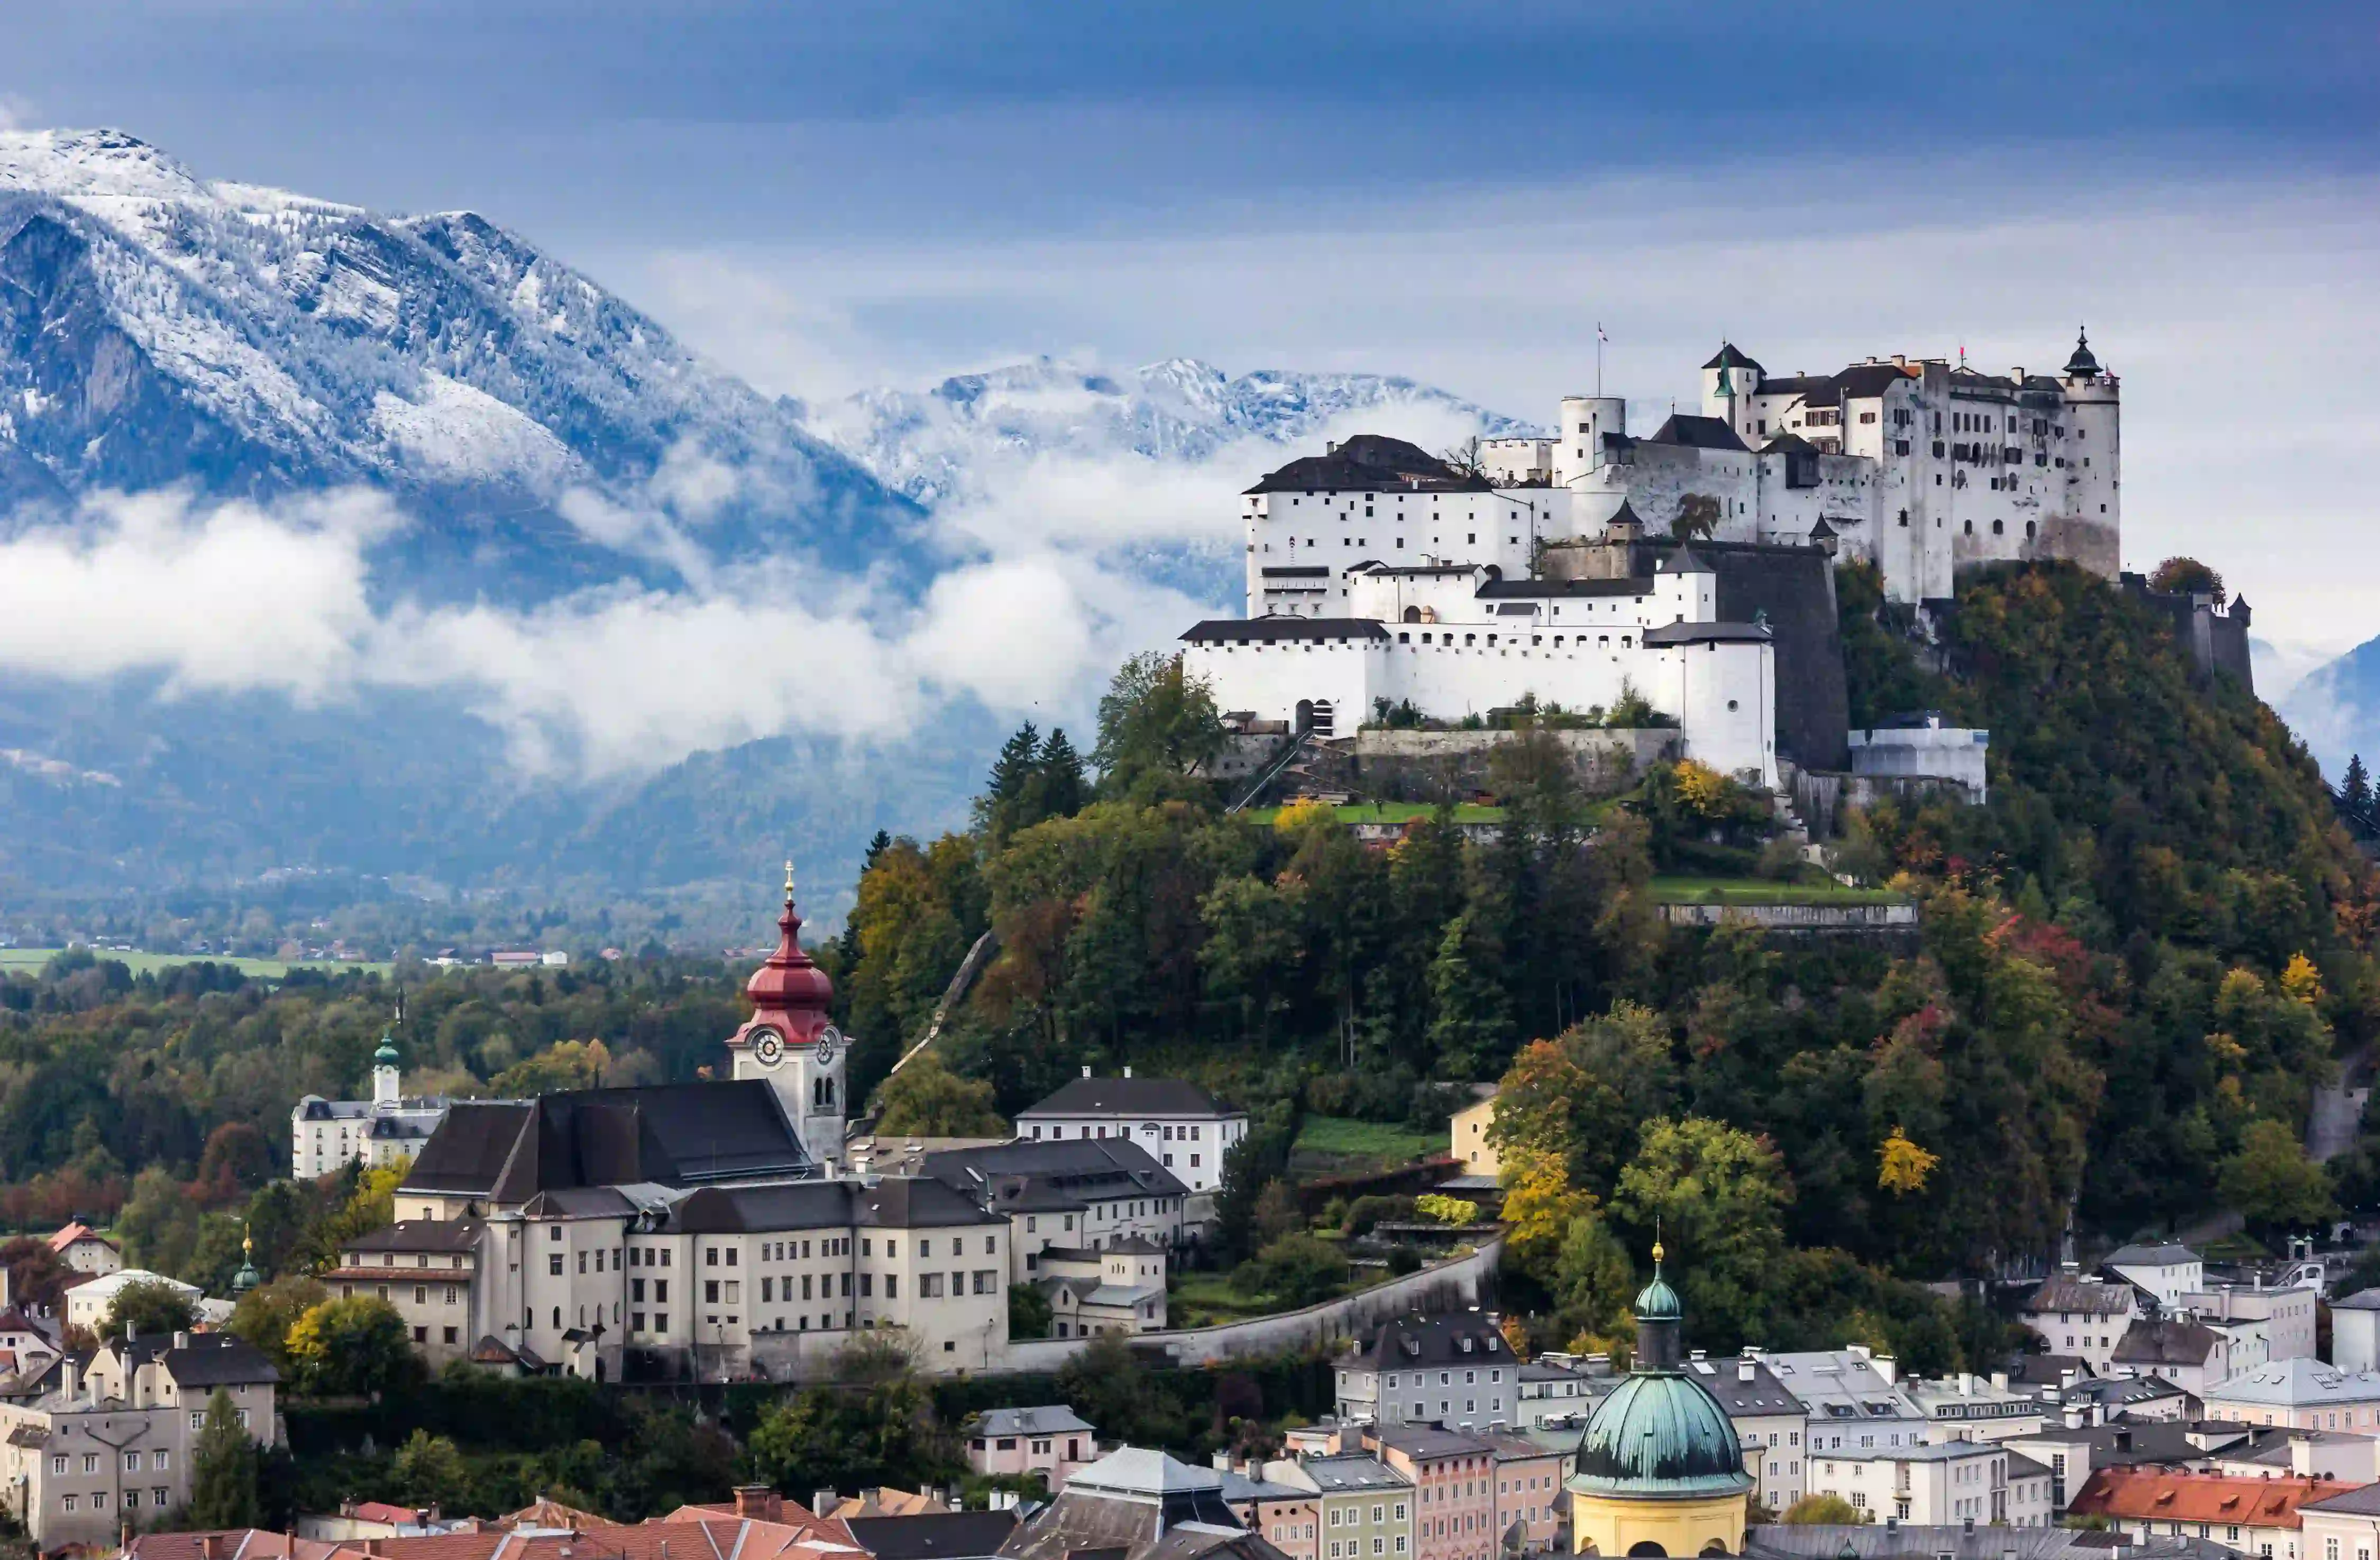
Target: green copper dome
1662 1435
386 1055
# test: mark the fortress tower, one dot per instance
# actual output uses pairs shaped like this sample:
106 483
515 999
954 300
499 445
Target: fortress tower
790 1042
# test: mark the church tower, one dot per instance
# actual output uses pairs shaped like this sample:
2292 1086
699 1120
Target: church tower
790 1042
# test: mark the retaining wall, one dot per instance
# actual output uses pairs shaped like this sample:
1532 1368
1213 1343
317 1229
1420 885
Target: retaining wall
1798 917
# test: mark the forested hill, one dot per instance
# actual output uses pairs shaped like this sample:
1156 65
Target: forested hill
2136 962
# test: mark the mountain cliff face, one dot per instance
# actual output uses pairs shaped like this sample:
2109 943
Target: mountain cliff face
541 455
2336 707
158 329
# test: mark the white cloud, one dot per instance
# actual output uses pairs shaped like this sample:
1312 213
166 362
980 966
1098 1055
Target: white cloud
2234 305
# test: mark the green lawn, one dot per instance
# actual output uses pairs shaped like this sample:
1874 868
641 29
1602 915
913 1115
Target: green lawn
1336 1137
148 964
1207 1299
1394 812
1759 891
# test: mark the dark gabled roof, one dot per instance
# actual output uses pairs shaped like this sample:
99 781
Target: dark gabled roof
892 1202
1730 356
1425 1440
670 1134
419 1235
1789 444
2170 1253
1684 561
1866 382
2167 1341
1696 433
467 1152
1424 571
1216 631
938 1535
203 1359
1370 463
1534 590
1298 572
1034 1177
914 1202
1764 1393
1821 529
1817 390
1410 1341
1708 633
1135 1096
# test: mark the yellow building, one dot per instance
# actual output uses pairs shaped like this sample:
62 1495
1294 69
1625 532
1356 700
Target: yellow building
1661 1470
1468 1138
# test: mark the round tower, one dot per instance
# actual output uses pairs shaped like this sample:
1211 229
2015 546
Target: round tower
791 1043
1578 442
386 1077
1660 1467
2088 521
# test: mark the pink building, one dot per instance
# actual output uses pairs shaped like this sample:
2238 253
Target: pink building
1051 1441
1453 1478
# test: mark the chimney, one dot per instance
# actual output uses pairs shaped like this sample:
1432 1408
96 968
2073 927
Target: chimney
1888 1368
181 1340
2017 375
1086 1069
822 1502
1127 1072
1744 1369
2301 1455
211 1546
2123 1440
67 1381
1999 1381
1900 360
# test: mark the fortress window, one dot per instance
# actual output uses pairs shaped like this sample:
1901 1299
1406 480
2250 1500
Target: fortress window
1471 638
2028 530
1971 527
1405 638
1997 527
1472 537
1730 705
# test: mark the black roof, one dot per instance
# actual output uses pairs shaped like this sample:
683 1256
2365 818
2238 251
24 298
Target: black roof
1717 633
1539 588
1698 432
1298 572
2166 1341
1816 389
2084 362
1028 1176
202 1360
1137 1097
1434 1340
1866 382
670 1134
1370 463
419 1235
938 1535
1764 1393
892 1203
1730 356
1216 631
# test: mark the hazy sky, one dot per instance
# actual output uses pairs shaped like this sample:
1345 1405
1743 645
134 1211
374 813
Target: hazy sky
823 197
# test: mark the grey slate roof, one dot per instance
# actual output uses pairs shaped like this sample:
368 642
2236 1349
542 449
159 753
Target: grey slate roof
668 1135
934 1535
2167 1341
1267 630
1764 1393
1349 1472
1411 1342
2073 1294
1697 432
207 1360
419 1235
1051 1419
1683 633
1030 1177
1370 463
2171 1254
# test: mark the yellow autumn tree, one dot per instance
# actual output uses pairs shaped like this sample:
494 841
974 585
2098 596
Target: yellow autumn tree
1902 1167
2301 982
1539 1203
1703 788
1303 814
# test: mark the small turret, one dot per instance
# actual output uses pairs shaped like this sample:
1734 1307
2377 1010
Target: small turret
2082 365
385 1092
247 1279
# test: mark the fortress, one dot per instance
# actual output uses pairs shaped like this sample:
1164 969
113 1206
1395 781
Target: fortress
1598 570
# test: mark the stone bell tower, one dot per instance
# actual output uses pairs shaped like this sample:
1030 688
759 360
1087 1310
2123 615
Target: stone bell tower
791 1043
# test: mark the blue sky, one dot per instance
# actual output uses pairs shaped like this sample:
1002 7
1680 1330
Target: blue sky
828 196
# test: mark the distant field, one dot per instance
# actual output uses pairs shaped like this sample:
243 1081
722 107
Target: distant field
148 964
1758 891
1378 1143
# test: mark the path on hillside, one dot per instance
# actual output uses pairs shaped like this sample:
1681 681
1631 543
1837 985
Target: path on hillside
2337 1110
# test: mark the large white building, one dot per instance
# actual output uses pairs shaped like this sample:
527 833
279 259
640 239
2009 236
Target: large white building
325 1135
1376 572
1182 1126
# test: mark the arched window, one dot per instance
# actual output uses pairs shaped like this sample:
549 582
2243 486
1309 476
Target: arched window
1648 1547
1305 715
1413 614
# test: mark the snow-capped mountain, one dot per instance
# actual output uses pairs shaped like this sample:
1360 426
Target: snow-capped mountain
930 445
577 537
2336 707
156 328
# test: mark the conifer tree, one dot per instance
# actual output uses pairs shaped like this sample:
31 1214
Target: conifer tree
1063 786
2355 789
222 1471
1007 789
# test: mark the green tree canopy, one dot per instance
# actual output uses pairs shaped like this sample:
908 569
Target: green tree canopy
224 1470
149 1308
926 1099
1156 720
356 1346
2272 1183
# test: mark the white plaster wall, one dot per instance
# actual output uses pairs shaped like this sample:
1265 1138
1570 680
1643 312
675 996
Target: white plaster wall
1948 753
1725 698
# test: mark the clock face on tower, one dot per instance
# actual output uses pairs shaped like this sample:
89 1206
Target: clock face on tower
829 1039
768 1047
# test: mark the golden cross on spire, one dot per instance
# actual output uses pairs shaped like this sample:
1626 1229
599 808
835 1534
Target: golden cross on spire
789 881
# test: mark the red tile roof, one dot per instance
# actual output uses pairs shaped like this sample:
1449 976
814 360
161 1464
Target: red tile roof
2150 1494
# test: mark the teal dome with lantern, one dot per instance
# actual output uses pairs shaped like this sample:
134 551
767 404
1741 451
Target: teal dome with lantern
1661 1435
386 1055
